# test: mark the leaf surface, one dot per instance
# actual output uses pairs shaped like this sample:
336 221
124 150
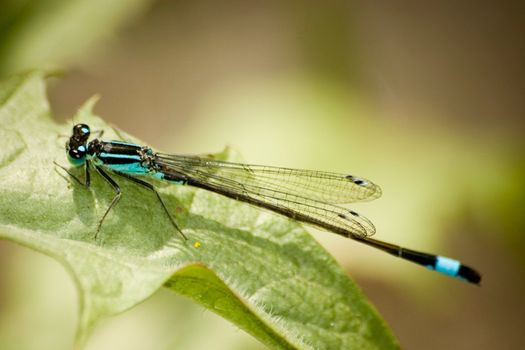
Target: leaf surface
262 272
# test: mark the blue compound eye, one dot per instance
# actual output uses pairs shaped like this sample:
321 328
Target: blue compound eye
77 156
81 131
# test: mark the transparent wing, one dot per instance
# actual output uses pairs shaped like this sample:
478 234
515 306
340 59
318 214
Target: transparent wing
303 195
318 185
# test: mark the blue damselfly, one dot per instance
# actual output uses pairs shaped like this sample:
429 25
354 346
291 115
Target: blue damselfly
308 196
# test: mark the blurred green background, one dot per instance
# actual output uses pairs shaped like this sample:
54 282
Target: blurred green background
424 99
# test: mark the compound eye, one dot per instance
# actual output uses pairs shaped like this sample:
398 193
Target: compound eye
81 131
77 156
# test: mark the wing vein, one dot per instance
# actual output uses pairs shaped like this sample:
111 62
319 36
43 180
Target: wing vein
298 194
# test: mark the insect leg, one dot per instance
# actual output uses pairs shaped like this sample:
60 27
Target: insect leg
115 200
87 179
150 187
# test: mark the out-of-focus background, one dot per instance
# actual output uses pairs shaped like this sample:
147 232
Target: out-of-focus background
425 99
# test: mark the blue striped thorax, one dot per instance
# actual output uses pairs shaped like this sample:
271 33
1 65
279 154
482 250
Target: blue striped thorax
116 155
124 157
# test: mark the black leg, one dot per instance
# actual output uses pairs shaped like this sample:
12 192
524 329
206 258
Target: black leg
152 188
119 135
115 199
99 133
87 179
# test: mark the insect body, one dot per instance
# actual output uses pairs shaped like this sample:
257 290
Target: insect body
308 196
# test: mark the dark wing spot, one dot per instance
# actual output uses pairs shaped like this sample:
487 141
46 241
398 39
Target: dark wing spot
356 180
353 213
342 216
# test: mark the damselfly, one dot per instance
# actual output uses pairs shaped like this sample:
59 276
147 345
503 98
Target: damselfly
307 196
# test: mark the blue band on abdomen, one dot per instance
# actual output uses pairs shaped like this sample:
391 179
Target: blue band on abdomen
161 176
447 266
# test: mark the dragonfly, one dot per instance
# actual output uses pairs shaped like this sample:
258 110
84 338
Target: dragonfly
307 196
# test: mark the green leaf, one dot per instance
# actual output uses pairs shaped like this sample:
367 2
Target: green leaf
261 271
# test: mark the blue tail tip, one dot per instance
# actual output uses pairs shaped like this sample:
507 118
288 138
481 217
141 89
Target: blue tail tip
456 269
